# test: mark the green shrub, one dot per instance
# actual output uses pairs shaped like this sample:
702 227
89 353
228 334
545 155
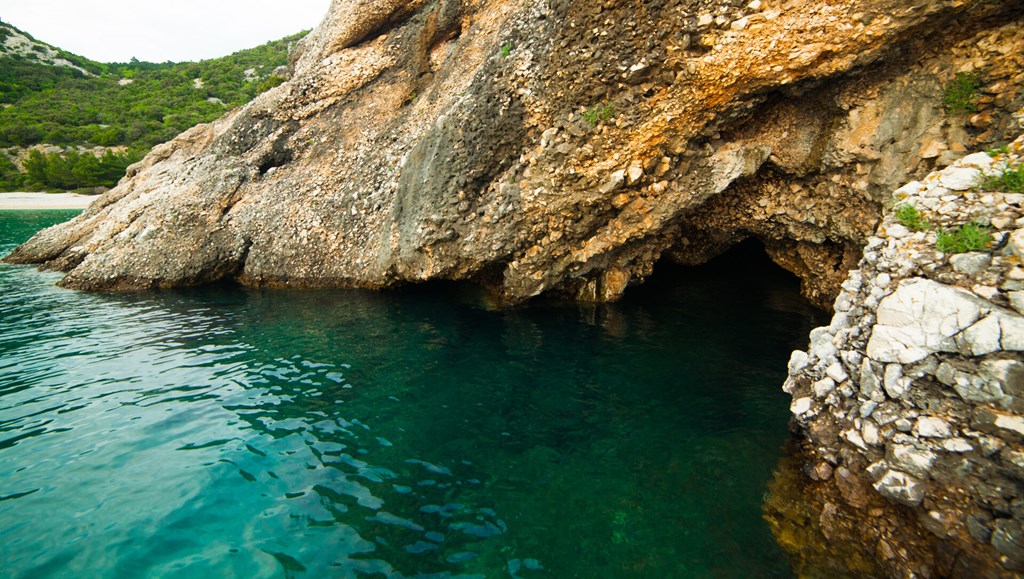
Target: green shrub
269 83
506 49
969 237
961 93
599 113
68 171
996 151
1011 180
61 106
910 217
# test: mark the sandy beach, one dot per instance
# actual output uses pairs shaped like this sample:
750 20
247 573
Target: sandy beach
33 201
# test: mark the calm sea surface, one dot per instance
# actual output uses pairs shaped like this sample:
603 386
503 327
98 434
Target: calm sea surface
227 432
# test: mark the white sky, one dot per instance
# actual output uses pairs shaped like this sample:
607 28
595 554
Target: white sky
160 30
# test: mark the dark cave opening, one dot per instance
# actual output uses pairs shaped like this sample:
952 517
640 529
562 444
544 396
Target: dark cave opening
745 263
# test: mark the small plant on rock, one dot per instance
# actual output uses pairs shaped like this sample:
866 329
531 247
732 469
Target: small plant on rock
996 151
1010 181
599 113
969 237
961 93
909 217
506 50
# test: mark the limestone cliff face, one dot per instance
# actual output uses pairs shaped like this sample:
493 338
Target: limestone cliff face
556 145
911 402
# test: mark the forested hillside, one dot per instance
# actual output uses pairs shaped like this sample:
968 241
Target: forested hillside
74 105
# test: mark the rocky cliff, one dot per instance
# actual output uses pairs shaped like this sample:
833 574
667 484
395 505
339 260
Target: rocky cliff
557 146
911 403
566 146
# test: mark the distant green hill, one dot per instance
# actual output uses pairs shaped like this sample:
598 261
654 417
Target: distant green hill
50 96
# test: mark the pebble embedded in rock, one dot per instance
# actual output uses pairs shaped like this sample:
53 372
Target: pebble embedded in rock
932 427
901 487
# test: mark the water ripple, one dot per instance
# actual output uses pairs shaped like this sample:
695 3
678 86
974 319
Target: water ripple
228 432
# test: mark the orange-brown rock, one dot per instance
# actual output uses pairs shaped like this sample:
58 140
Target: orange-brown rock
557 145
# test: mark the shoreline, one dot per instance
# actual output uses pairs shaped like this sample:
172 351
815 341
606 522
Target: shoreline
20 201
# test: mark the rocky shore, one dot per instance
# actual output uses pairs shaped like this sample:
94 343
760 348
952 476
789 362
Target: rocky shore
911 402
566 146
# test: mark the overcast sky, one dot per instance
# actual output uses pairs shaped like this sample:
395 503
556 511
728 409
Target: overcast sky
160 30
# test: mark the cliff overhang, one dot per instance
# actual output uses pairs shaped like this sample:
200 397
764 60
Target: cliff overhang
553 146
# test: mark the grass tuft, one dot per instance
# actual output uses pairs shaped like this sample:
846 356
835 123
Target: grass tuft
1009 181
969 237
961 94
996 151
599 113
910 217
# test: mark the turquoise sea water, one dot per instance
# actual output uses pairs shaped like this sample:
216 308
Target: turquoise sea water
228 432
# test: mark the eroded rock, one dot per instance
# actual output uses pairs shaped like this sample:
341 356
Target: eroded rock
407 146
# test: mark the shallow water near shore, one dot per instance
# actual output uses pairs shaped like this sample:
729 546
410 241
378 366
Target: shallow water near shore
233 432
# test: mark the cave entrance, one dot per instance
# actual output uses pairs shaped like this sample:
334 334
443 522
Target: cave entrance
740 280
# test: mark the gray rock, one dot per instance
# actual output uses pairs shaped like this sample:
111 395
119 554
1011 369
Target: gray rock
1014 458
823 387
869 383
1016 243
1012 332
1008 373
958 445
960 178
983 337
1008 538
895 384
869 434
909 190
978 527
985 291
855 439
888 413
920 318
615 180
946 374
896 231
1017 300
877 469
932 427
971 263
840 321
1011 423
979 160
901 487
990 445
800 406
822 348
789 386
837 373
912 460
978 389
797 361
868 408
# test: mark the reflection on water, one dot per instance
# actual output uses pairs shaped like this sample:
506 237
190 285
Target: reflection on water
232 432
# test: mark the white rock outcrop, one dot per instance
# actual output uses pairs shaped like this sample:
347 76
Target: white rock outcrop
918 382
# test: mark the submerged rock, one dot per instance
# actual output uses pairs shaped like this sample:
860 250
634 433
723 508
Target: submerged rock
558 145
